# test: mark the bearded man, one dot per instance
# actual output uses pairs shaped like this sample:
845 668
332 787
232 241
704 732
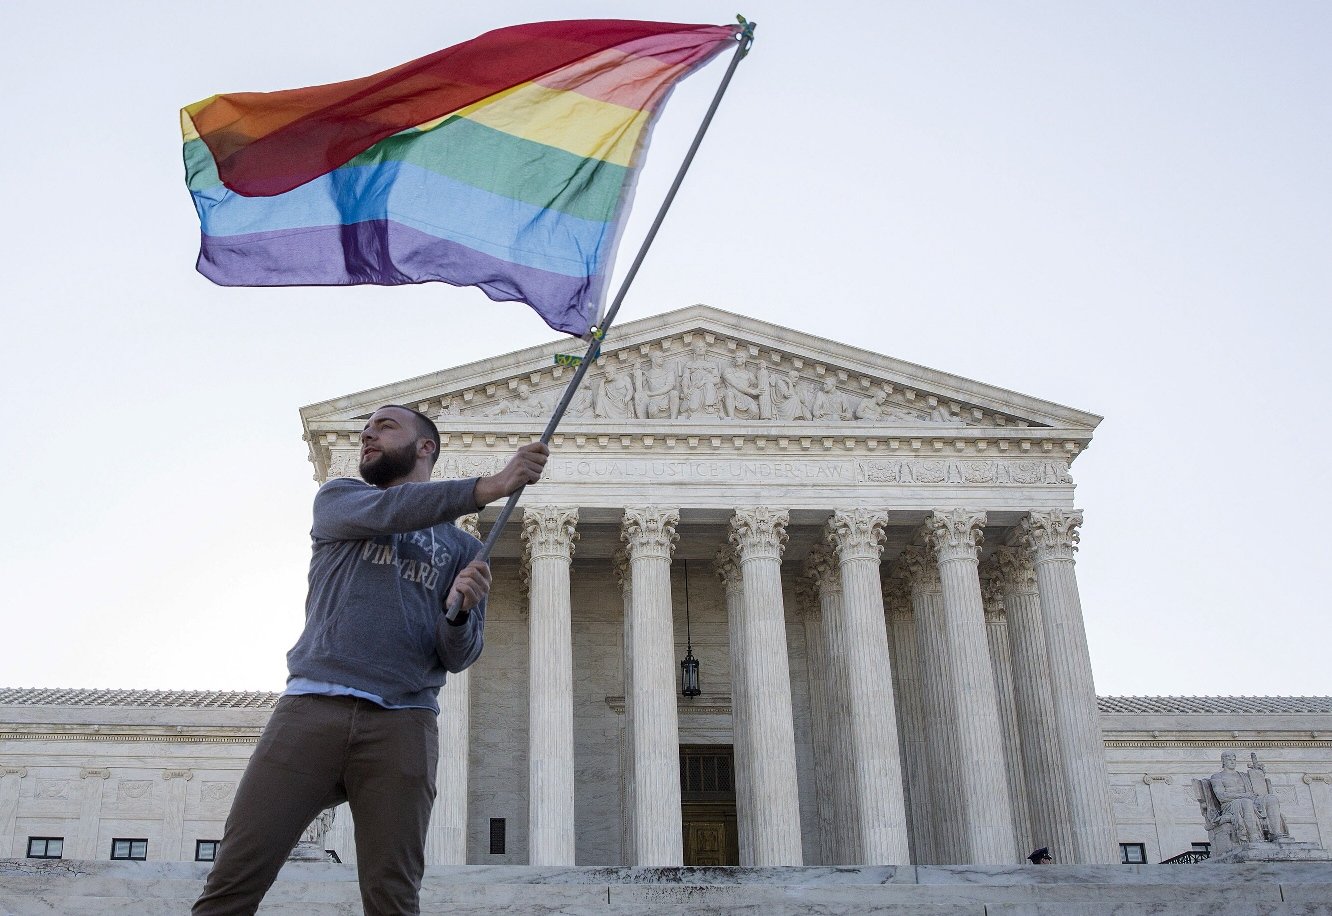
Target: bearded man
357 722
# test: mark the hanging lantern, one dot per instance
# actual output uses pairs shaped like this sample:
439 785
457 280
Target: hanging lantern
689 666
689 675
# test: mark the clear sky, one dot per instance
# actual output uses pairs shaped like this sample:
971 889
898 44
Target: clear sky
1125 207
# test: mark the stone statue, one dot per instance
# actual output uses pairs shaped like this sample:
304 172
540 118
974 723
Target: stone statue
828 403
312 846
785 396
1247 801
1243 817
614 398
745 397
699 383
656 395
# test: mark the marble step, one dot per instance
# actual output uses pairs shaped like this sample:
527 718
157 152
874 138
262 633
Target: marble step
74 888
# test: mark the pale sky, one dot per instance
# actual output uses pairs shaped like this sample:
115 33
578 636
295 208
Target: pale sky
1124 207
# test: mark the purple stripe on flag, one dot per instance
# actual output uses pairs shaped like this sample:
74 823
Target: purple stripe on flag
387 253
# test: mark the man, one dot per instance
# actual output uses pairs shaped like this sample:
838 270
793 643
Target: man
357 720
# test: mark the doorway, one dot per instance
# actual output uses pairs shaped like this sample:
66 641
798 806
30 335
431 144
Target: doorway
707 795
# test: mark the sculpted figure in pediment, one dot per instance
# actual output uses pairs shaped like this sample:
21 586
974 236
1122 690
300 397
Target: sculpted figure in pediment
788 401
522 404
941 414
615 396
876 408
582 403
699 383
829 404
744 396
657 394
448 407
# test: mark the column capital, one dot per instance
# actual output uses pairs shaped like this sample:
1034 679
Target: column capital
992 600
1011 569
759 531
469 524
807 605
549 532
186 775
620 563
20 772
649 531
94 773
821 570
1051 534
727 567
858 534
955 534
921 571
896 595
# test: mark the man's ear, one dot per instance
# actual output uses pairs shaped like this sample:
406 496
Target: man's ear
425 448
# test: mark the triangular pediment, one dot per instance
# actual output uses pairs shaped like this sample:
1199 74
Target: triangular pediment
703 371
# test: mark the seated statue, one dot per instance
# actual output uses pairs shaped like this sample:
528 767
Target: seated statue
1240 808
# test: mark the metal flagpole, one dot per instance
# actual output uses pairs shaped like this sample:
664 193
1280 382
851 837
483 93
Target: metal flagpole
745 40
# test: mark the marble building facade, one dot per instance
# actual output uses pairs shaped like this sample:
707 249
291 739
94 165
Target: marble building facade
874 563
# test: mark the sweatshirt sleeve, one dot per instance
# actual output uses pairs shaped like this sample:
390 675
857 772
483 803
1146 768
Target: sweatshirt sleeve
459 646
348 510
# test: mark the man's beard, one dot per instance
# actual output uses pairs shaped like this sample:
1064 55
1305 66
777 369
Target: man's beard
389 466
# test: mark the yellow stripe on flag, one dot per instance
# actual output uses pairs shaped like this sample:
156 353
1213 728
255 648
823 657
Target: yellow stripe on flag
565 120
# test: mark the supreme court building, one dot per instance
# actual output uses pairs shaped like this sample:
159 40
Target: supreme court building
873 564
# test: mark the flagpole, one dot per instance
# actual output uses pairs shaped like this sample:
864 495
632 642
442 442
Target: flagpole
745 39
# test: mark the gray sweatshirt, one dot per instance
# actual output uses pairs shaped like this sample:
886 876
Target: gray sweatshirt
382 565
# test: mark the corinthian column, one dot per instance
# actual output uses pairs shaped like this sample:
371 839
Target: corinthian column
446 837
956 536
549 535
948 846
1052 537
649 533
1038 734
816 663
1001 662
860 643
759 535
620 562
910 715
825 576
727 566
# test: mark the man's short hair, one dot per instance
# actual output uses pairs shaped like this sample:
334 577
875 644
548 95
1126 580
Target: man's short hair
424 426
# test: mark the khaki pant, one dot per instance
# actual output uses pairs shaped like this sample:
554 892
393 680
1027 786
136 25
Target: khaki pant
317 752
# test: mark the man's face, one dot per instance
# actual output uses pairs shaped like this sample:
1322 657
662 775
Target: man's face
1228 761
389 445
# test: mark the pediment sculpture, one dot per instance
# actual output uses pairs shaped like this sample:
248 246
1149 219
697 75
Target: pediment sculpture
702 385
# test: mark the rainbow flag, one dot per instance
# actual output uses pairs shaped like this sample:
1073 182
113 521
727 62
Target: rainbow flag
506 162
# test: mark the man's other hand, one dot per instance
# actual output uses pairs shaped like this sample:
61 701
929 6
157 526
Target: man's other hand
523 469
472 585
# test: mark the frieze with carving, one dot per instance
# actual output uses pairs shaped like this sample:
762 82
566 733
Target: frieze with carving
967 471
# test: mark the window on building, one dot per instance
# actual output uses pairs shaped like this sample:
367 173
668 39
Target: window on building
1132 854
46 847
497 836
133 849
205 850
